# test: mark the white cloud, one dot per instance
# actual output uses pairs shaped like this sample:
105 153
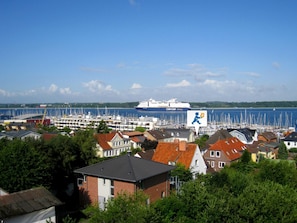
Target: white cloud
97 86
53 88
132 2
197 71
136 86
178 72
183 83
4 93
251 74
65 90
121 65
276 65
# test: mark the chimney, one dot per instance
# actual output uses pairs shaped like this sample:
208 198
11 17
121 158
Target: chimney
182 145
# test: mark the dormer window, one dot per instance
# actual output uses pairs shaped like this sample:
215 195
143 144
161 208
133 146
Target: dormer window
212 153
218 153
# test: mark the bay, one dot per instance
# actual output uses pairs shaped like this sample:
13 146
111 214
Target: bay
278 117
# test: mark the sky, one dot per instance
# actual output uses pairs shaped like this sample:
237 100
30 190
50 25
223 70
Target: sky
66 51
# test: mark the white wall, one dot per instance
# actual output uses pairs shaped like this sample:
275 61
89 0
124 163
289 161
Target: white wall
34 217
103 191
198 164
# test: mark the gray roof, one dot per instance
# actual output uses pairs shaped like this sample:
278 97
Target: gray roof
20 133
125 168
249 133
182 133
291 137
28 116
27 201
160 134
218 135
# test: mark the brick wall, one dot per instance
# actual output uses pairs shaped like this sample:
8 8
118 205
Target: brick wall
120 186
156 187
89 191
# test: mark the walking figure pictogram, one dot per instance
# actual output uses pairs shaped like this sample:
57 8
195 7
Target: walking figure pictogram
196 119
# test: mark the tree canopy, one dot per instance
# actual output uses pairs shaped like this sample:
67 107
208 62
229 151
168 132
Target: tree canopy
264 192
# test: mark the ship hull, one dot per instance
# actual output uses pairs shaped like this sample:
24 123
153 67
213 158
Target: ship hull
161 109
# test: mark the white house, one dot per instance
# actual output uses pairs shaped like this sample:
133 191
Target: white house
29 206
187 154
291 140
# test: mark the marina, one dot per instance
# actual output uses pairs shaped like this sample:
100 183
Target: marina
274 119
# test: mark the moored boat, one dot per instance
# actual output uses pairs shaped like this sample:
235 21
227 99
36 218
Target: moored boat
170 105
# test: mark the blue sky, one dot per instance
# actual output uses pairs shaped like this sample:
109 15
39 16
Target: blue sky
132 50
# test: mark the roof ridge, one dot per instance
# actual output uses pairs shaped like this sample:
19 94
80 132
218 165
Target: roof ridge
131 166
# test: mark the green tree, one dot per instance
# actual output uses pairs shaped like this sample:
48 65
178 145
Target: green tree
279 171
184 174
103 128
282 151
125 208
149 144
201 141
85 140
2 128
66 129
266 202
22 166
140 129
246 157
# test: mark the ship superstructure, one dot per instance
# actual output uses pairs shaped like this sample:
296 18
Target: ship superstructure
170 105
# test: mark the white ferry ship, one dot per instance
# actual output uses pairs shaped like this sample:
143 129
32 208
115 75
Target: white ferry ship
170 105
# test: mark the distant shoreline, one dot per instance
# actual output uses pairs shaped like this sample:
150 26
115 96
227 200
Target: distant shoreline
194 105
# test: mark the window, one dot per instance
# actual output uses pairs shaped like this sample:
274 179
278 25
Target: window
221 164
112 187
80 181
162 194
212 153
212 164
218 153
196 162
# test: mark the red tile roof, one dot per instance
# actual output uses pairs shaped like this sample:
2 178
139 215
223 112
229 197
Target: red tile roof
231 147
170 152
49 136
103 140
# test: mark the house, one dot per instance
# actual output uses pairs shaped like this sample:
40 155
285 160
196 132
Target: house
291 140
187 154
105 180
267 137
28 206
3 192
3 135
136 138
254 150
181 134
21 134
245 135
146 154
262 149
158 135
268 150
224 152
218 135
111 144
48 135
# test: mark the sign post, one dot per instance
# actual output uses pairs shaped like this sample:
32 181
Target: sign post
197 119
